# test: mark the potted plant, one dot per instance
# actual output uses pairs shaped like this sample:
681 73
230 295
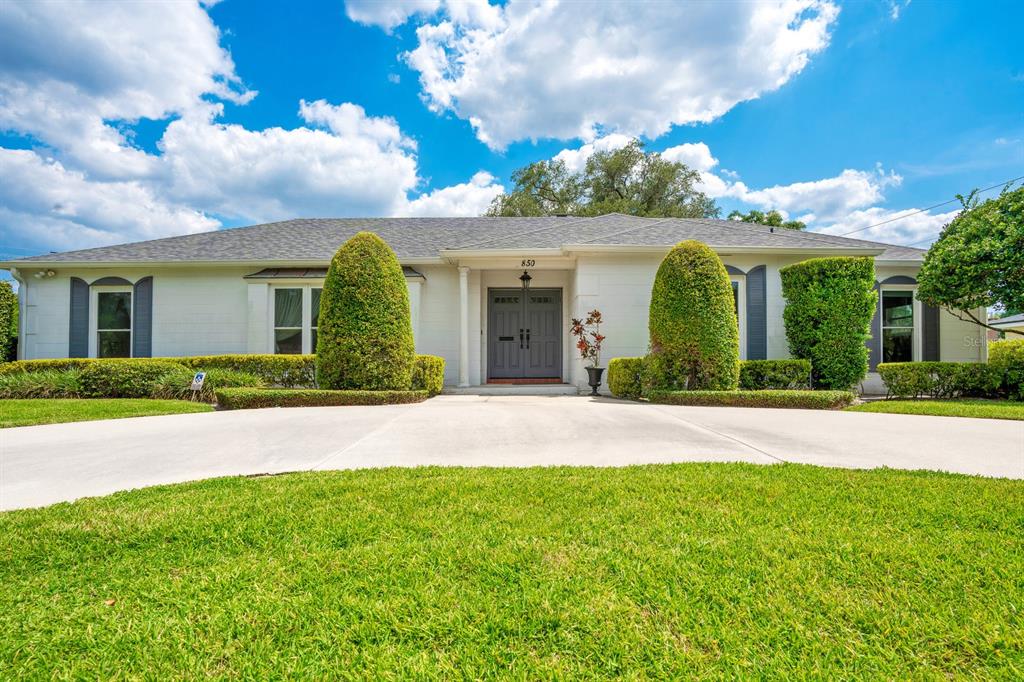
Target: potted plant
588 343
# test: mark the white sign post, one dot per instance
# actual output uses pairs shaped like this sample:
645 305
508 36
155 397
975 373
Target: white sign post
197 383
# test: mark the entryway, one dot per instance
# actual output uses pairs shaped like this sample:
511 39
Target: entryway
524 334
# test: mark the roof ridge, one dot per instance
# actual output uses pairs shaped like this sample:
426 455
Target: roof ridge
575 219
810 235
628 229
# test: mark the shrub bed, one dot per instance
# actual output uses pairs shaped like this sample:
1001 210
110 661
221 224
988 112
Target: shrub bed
624 377
124 378
177 385
428 374
805 400
50 383
756 375
1007 360
249 398
290 371
939 379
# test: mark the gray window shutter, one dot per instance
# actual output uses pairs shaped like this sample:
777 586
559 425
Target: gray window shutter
78 334
930 332
142 320
757 314
874 343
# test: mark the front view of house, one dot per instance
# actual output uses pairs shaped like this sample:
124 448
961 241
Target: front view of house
493 296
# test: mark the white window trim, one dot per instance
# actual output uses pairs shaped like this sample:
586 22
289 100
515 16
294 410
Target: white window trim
741 298
94 307
917 347
307 312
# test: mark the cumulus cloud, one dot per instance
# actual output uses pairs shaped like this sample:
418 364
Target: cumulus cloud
388 15
115 62
584 69
905 226
576 159
43 204
466 199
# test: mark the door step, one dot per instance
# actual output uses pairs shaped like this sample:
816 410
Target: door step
513 389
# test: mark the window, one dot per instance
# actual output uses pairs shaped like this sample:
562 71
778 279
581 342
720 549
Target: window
296 319
736 297
114 324
288 321
897 326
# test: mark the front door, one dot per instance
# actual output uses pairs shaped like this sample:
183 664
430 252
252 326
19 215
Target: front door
525 330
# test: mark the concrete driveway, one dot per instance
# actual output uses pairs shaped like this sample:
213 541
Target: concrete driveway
41 465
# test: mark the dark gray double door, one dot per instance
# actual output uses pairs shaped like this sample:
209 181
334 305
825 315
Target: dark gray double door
524 333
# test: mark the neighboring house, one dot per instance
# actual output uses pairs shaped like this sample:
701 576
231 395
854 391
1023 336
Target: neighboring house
1010 323
256 290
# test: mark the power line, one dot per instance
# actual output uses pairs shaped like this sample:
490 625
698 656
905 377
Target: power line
890 220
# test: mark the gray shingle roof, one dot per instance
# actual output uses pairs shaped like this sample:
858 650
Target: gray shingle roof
316 239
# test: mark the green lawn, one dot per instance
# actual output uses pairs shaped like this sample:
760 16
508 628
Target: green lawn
733 571
57 410
985 409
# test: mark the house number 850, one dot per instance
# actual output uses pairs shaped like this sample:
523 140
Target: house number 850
528 263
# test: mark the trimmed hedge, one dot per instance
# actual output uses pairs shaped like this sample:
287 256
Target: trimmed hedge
624 377
1007 360
124 378
8 320
364 337
250 398
829 306
50 383
177 385
692 322
803 400
756 375
58 364
428 374
939 379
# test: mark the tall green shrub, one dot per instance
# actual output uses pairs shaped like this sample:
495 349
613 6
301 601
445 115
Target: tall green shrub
829 306
694 335
8 321
364 339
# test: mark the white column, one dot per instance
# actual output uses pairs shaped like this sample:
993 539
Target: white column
463 325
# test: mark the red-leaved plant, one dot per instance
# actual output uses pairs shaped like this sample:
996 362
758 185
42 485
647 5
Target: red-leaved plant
588 337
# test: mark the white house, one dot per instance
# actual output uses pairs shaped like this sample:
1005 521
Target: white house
255 290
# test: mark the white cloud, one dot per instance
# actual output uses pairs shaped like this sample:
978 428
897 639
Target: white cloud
907 226
388 15
695 155
69 68
576 159
44 205
583 69
467 199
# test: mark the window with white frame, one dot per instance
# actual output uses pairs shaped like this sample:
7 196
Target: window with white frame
113 323
898 337
739 302
296 318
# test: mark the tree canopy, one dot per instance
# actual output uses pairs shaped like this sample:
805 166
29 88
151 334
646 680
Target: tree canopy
978 260
627 180
772 218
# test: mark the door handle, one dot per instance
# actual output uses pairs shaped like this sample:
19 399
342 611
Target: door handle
527 338
520 338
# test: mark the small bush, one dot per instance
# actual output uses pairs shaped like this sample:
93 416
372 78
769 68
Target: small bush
8 321
938 379
692 322
804 400
124 378
758 375
428 374
829 306
250 398
177 385
1007 360
51 383
290 371
624 377
47 365
364 338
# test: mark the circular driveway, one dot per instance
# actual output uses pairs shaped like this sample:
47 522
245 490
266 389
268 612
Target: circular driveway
41 465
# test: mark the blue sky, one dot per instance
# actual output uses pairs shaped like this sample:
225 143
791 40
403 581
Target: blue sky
124 121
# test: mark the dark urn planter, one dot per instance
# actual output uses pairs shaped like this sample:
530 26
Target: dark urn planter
595 378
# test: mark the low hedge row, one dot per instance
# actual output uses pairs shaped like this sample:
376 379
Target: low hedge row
428 374
249 398
624 377
939 379
756 375
804 400
1007 358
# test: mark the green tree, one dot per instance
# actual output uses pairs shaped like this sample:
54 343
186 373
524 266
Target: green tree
829 306
8 320
694 334
978 260
628 180
364 336
772 218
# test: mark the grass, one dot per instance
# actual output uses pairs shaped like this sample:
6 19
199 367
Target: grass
57 410
721 570
984 409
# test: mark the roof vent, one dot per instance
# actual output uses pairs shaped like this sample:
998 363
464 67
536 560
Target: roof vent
561 215
772 230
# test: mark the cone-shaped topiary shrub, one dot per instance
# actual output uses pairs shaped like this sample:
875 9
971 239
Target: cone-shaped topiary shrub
694 335
364 336
829 305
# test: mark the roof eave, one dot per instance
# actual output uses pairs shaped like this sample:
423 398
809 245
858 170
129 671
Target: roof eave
779 250
29 264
